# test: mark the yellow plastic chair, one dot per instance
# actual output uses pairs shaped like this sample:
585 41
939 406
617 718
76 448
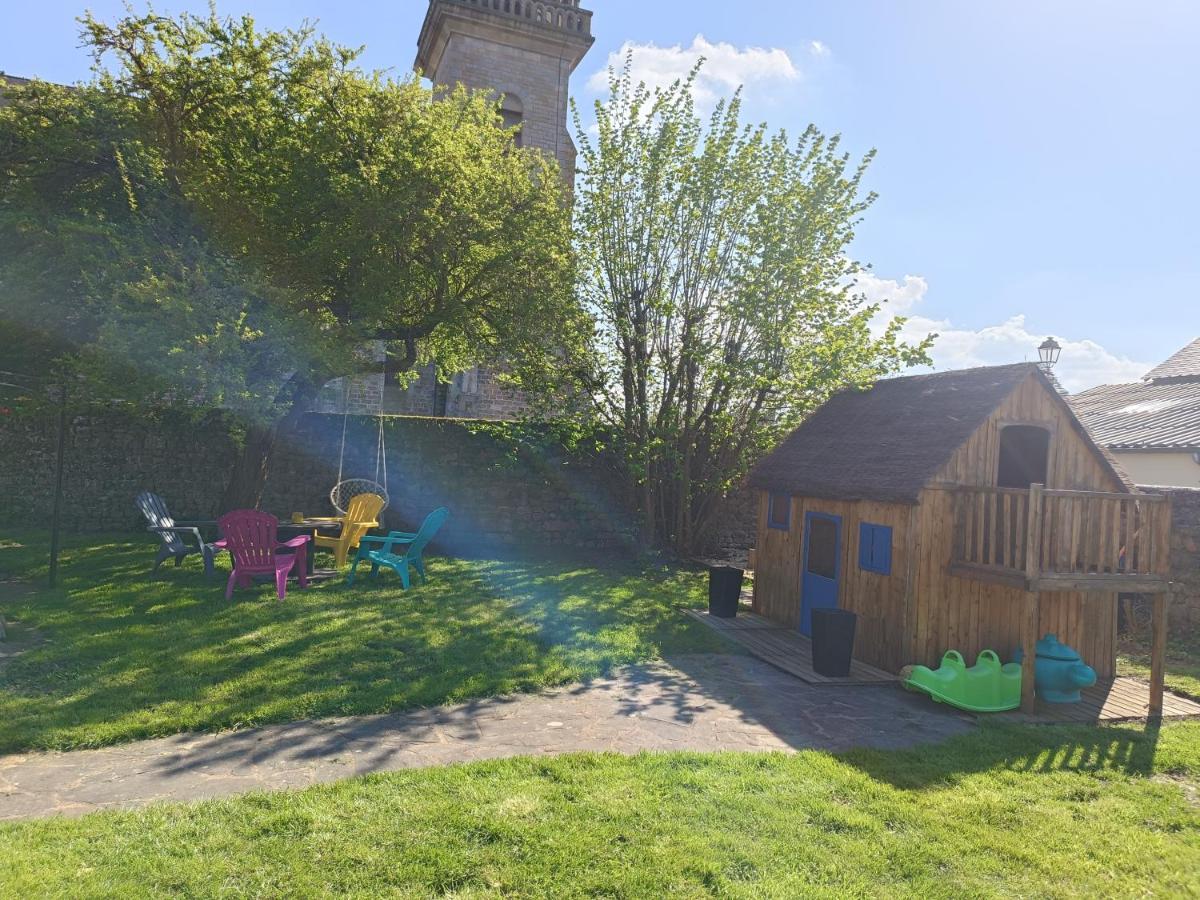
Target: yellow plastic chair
361 516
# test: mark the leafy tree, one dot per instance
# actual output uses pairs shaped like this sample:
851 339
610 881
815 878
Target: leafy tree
230 214
715 262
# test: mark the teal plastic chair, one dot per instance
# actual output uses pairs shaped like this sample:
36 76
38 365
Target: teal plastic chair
382 551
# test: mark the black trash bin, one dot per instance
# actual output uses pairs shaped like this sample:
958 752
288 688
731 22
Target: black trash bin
832 641
724 589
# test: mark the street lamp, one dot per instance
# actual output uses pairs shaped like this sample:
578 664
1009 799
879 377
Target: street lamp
1048 353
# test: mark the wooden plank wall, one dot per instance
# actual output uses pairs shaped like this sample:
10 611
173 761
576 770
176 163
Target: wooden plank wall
947 612
1073 463
878 600
964 614
969 615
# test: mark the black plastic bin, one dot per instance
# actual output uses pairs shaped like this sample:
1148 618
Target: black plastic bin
724 590
832 641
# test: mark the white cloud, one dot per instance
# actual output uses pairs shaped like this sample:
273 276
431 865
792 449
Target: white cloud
1083 364
726 67
818 49
895 297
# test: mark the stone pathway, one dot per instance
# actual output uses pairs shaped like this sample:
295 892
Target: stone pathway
710 702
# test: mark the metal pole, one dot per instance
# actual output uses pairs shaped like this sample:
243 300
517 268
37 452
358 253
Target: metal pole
58 483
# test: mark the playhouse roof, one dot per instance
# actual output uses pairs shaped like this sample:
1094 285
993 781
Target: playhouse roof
887 442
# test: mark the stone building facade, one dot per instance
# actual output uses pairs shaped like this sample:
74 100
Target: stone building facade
525 52
475 394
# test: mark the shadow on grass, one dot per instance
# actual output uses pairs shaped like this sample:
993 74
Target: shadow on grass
741 699
1018 749
132 655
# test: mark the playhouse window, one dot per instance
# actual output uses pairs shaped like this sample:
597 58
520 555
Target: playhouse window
1024 456
875 548
779 512
822 547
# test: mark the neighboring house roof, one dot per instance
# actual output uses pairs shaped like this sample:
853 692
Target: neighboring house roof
1160 415
1184 364
6 79
886 443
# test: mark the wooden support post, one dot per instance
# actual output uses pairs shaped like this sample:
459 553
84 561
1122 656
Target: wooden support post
1033 536
1030 615
1158 652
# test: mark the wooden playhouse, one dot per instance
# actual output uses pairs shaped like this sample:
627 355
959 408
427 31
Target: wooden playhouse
962 510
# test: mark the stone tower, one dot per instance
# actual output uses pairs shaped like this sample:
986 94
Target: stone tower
523 49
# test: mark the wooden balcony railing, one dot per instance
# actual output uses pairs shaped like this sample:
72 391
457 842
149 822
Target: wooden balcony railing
1062 540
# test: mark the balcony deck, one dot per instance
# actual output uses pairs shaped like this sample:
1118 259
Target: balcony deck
1113 700
1051 540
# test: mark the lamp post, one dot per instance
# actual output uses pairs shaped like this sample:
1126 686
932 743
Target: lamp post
1048 354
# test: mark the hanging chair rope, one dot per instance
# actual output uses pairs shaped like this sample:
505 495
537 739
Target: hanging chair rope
345 419
345 489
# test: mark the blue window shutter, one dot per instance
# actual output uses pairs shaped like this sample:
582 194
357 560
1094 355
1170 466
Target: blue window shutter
875 548
779 512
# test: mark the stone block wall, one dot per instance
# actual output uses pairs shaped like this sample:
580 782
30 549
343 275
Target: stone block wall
539 81
474 394
111 456
1185 559
736 529
501 498
504 498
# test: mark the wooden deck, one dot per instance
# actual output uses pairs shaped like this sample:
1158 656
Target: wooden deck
1113 700
784 648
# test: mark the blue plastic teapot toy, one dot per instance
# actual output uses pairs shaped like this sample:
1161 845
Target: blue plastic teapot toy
1059 672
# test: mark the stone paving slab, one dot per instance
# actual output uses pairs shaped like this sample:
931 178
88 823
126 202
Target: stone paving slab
703 703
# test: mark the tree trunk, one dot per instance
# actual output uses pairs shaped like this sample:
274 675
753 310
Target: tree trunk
249 475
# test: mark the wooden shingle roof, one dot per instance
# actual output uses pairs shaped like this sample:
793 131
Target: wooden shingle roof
886 443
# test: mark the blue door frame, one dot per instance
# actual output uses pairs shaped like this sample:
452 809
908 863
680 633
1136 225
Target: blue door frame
819 590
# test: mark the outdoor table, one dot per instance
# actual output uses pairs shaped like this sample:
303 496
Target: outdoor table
289 529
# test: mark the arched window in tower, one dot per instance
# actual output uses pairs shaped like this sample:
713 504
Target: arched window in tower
512 113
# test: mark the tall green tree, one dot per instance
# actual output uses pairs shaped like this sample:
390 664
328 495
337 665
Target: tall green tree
226 215
715 261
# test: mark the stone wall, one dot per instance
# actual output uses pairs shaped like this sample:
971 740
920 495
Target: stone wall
111 456
1185 559
736 529
503 496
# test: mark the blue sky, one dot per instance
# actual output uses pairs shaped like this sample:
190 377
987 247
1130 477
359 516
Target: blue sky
1037 160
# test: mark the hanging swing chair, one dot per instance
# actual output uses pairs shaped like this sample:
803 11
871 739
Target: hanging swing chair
348 488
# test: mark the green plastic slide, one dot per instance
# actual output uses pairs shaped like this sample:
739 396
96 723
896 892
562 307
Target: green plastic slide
987 686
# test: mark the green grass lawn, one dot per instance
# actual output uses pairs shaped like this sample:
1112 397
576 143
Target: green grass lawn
126 655
1183 662
1003 812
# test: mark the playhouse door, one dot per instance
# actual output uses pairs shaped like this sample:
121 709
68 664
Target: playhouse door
822 566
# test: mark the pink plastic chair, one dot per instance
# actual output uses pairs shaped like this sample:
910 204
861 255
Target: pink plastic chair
251 537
